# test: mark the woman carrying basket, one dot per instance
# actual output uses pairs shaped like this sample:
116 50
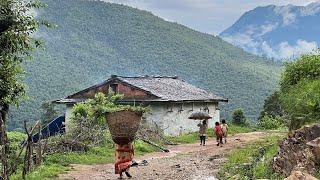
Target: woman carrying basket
124 155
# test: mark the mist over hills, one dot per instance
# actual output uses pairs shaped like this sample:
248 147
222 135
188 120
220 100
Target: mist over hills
280 32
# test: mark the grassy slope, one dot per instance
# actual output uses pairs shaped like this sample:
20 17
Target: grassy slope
95 39
253 161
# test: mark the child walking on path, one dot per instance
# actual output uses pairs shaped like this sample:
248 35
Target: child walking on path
218 131
224 127
202 132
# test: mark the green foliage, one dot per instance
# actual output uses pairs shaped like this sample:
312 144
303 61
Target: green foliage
236 129
238 117
95 39
272 106
16 43
307 67
16 139
299 98
17 40
253 161
95 109
88 123
302 102
271 123
49 112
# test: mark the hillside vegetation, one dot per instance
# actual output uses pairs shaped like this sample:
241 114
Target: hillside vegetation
94 39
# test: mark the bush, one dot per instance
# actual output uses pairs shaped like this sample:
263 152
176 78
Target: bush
305 68
269 122
252 161
302 103
272 106
238 117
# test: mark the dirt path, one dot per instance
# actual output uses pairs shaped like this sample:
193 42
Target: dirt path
186 161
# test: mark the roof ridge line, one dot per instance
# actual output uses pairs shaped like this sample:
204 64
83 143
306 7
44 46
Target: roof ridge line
146 76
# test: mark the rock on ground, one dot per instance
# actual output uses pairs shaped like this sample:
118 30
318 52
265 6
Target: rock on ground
299 152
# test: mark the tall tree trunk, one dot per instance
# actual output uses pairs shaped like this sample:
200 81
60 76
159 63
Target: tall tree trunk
4 142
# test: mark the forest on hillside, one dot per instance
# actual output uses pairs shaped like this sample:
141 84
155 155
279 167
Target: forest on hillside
94 39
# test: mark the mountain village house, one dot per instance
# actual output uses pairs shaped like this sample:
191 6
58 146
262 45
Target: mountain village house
170 99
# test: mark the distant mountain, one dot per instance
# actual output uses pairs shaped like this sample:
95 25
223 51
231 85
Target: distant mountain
95 39
277 31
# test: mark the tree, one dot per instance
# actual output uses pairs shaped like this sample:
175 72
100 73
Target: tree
238 117
302 103
300 91
17 24
49 112
306 67
272 106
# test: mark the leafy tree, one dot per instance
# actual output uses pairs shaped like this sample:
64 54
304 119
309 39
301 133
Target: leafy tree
238 117
306 67
300 91
272 106
49 112
302 102
17 25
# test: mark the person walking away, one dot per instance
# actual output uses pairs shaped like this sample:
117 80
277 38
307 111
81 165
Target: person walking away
124 155
218 131
202 132
225 128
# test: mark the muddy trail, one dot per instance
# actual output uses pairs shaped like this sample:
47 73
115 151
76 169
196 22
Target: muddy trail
185 161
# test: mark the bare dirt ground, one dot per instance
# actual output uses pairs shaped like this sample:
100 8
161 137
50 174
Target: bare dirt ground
185 161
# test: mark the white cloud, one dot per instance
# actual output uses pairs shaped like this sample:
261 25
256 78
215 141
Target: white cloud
267 28
286 51
244 41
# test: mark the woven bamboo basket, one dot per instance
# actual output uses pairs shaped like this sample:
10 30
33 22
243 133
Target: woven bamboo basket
123 125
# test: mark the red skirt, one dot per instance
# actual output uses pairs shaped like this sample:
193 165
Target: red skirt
124 155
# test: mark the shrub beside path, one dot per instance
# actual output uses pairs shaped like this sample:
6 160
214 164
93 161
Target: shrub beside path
185 161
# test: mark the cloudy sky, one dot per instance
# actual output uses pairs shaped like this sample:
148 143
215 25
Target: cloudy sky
210 16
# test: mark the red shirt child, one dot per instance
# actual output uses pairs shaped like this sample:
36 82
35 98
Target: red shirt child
218 131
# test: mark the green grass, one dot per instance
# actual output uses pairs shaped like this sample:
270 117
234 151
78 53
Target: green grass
59 163
318 173
253 161
194 137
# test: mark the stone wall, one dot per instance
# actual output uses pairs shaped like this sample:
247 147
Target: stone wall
299 152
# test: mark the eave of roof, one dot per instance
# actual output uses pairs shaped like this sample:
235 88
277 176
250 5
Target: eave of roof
70 100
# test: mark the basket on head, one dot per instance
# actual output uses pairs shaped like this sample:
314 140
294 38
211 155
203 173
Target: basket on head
123 125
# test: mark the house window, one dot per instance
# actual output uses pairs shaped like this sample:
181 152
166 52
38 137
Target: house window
180 108
206 109
114 87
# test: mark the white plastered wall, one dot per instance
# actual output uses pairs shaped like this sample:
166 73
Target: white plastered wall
170 118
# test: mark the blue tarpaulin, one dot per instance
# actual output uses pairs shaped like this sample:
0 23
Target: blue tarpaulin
53 128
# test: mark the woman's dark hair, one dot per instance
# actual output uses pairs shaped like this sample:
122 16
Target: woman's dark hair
217 123
223 121
204 122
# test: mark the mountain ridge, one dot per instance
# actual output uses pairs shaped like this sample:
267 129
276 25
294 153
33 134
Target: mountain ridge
280 32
